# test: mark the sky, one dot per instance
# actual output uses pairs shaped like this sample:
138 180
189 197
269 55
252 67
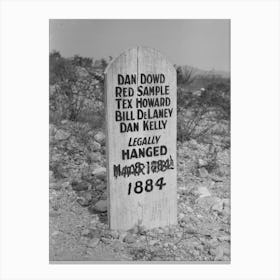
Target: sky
204 44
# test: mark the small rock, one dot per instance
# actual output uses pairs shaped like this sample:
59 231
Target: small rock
206 232
142 238
106 240
83 201
94 242
122 235
100 173
100 206
65 185
219 252
54 213
86 232
64 121
190 229
80 186
212 251
134 230
86 194
96 233
71 196
84 240
224 238
165 245
100 137
181 216
160 230
141 230
55 186
94 146
193 144
203 173
223 171
218 206
56 205
186 219
114 234
95 220
118 246
81 72
226 211
51 176
226 258
152 234
129 238
197 218
202 163
104 196
102 226
100 187
216 178
106 233
226 202
91 133
178 234
213 243
56 232
203 192
153 242
53 89
226 251
95 157
61 135
207 202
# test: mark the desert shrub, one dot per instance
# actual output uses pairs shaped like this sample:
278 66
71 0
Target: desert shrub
63 75
84 62
82 133
74 87
198 114
61 69
211 158
203 80
57 170
94 119
185 75
218 95
55 117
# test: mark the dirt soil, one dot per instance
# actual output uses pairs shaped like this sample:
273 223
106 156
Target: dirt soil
78 229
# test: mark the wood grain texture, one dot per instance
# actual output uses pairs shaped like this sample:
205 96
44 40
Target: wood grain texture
149 208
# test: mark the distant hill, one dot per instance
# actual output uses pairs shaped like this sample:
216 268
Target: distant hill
212 72
200 78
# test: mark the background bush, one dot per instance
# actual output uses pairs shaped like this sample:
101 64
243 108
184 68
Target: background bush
77 94
204 111
76 89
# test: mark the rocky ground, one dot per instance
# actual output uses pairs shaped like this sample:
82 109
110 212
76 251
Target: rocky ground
78 229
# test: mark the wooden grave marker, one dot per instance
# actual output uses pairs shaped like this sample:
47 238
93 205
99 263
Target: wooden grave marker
141 115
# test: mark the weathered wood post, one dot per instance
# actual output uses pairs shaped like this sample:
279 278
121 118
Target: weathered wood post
141 137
